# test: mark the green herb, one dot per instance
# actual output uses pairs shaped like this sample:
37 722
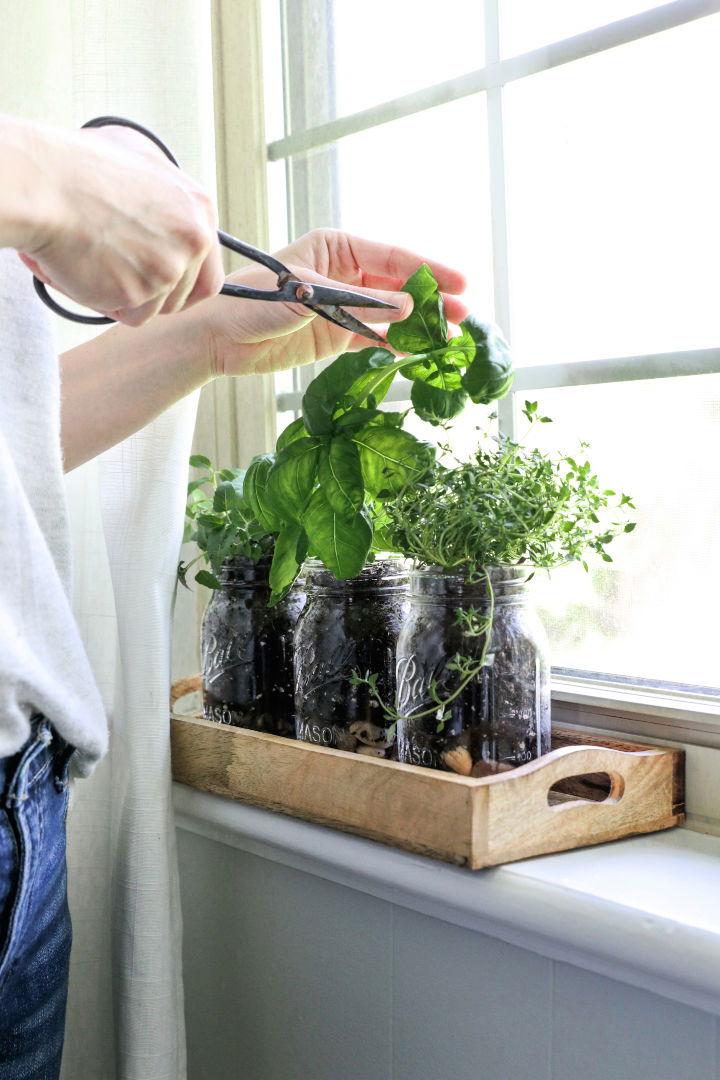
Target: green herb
221 521
508 504
335 466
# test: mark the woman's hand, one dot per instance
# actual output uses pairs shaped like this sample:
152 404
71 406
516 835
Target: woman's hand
104 218
249 336
117 382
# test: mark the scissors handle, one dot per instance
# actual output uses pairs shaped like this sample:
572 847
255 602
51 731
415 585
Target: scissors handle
253 253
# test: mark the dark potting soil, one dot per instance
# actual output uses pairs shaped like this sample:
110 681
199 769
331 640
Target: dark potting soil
248 655
347 627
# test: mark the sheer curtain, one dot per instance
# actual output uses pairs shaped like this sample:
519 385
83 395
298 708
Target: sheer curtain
64 63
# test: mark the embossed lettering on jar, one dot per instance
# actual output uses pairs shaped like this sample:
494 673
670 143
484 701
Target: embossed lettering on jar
348 625
501 719
247 650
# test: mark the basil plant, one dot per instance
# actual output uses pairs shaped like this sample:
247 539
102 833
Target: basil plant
321 492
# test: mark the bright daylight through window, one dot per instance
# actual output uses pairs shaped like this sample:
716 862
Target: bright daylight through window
565 157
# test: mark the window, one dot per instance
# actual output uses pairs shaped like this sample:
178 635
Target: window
565 157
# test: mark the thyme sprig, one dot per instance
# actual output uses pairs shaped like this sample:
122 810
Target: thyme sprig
509 504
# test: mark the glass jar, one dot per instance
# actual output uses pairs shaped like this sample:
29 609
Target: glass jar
350 625
501 718
247 650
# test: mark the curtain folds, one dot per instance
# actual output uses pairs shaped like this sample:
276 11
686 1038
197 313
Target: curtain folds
63 63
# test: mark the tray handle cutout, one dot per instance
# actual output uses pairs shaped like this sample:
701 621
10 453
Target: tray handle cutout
598 787
574 766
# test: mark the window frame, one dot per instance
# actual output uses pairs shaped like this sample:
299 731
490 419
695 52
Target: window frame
579 698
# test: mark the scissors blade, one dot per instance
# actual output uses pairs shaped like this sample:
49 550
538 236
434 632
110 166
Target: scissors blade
349 322
323 294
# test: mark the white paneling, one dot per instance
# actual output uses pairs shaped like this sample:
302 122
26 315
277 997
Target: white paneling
467 1006
290 976
604 1029
287 977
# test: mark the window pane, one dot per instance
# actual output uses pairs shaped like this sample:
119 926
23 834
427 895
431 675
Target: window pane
272 70
652 612
527 24
421 183
277 205
458 443
613 178
383 50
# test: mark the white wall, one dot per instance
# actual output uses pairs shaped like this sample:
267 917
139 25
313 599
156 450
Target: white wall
292 977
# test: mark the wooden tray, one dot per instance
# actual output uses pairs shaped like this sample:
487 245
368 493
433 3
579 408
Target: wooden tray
606 789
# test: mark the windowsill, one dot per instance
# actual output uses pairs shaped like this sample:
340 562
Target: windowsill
649 712
643 911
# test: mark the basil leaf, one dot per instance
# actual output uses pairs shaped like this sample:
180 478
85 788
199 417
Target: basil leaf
286 561
354 419
391 459
443 365
295 430
342 543
199 461
204 577
323 396
426 326
220 544
255 492
489 375
341 477
226 497
387 419
293 476
435 404
380 388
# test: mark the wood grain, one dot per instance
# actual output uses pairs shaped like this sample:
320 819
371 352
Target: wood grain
465 821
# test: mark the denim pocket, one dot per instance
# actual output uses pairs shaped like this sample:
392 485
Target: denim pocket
9 875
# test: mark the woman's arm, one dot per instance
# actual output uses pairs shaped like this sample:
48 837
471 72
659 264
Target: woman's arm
118 382
121 380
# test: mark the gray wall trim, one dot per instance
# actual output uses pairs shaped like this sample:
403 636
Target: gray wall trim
544 905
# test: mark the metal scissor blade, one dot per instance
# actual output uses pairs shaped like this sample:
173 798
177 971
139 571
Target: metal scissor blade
348 322
323 294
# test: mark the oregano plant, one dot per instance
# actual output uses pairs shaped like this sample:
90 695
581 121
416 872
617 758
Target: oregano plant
221 522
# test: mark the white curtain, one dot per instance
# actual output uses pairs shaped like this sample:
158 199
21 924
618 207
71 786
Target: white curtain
64 62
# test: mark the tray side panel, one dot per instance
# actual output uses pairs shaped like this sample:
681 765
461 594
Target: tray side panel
521 822
409 808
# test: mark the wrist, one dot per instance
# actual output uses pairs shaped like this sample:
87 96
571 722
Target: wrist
179 346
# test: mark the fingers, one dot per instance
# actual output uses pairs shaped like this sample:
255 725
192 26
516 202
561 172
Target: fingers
131 235
455 310
209 280
204 275
388 261
34 268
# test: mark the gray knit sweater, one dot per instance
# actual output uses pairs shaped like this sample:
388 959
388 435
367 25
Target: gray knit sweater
43 666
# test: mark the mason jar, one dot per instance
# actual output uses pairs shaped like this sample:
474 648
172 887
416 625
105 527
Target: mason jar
348 626
247 650
455 715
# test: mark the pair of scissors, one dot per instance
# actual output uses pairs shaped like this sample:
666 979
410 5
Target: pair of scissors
319 299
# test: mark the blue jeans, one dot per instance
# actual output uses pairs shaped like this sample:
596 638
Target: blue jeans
35 930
